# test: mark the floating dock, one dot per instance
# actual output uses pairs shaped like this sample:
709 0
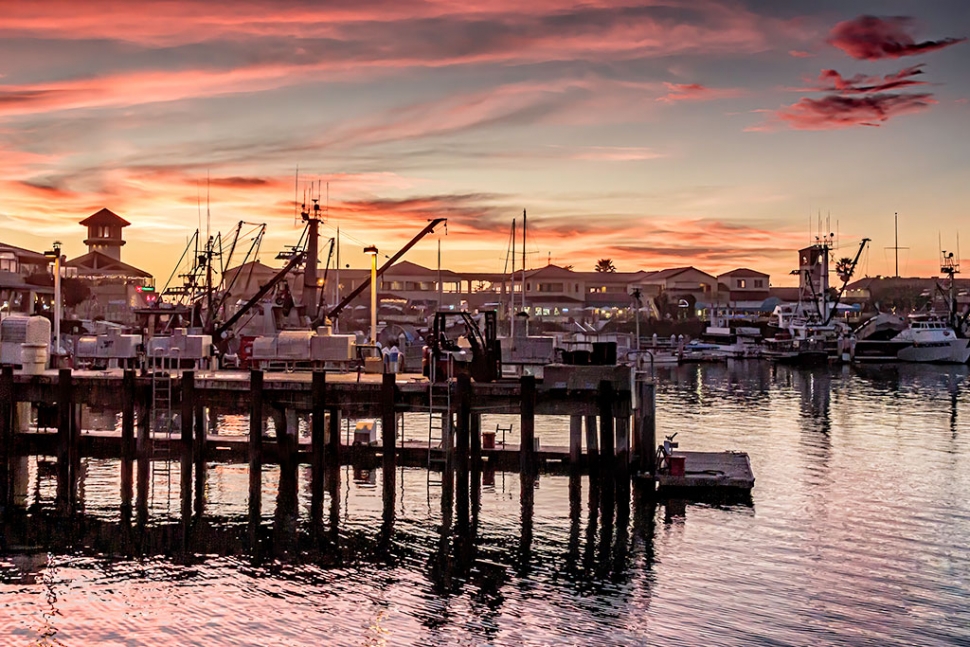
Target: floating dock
724 471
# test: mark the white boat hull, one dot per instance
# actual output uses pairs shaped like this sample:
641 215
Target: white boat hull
953 351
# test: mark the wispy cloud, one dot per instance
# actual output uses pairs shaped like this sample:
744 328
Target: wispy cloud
678 92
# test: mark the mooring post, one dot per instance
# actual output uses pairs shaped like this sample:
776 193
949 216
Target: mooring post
622 424
186 425
200 433
6 433
463 444
333 434
388 423
607 447
575 439
127 436
646 396
65 421
255 444
527 448
318 434
592 440
476 439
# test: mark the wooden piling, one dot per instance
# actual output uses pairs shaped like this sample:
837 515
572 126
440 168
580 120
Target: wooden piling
476 440
388 422
527 448
622 425
607 447
647 426
333 440
592 440
463 444
6 434
318 433
255 444
575 439
186 425
65 422
127 436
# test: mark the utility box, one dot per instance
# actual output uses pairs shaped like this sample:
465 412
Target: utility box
327 347
108 349
181 345
15 331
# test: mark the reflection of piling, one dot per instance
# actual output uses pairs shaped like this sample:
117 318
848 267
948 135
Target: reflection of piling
527 499
6 434
527 449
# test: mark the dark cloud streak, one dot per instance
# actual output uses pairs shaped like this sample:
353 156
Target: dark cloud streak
871 38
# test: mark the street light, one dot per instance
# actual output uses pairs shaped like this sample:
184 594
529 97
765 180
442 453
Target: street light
56 255
371 250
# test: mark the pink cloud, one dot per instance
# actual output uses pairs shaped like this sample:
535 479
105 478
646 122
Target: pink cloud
797 53
872 38
695 92
832 81
834 112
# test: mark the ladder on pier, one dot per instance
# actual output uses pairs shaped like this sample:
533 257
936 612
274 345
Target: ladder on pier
162 418
440 422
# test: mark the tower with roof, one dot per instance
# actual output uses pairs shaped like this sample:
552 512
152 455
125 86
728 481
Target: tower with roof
105 233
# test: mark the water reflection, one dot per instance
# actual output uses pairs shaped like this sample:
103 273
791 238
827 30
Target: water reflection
856 534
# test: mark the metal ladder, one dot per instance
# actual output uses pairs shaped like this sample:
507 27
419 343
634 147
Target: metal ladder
162 416
439 421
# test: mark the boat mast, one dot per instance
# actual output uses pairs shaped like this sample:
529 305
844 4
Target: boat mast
512 292
524 227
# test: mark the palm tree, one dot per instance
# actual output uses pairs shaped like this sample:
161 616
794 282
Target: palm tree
843 268
605 265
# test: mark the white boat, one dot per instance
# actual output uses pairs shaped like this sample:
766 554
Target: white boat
933 341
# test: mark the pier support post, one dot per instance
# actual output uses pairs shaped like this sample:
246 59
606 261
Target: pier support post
592 441
647 427
527 448
6 434
622 425
318 433
127 437
575 439
463 444
333 437
607 447
255 448
476 440
65 437
388 423
186 425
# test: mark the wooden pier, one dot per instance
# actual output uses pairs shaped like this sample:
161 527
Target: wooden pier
620 441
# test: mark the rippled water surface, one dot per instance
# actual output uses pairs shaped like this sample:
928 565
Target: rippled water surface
857 533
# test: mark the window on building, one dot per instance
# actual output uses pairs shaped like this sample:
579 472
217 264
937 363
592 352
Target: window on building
742 283
550 287
759 283
8 263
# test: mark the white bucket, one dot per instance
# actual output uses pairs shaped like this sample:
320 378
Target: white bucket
33 357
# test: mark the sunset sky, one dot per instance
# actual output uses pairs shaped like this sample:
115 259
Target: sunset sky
657 134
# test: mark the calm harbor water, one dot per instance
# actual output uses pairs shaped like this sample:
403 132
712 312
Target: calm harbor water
857 533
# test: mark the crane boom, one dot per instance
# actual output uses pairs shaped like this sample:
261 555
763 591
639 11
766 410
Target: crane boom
279 276
848 277
401 252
